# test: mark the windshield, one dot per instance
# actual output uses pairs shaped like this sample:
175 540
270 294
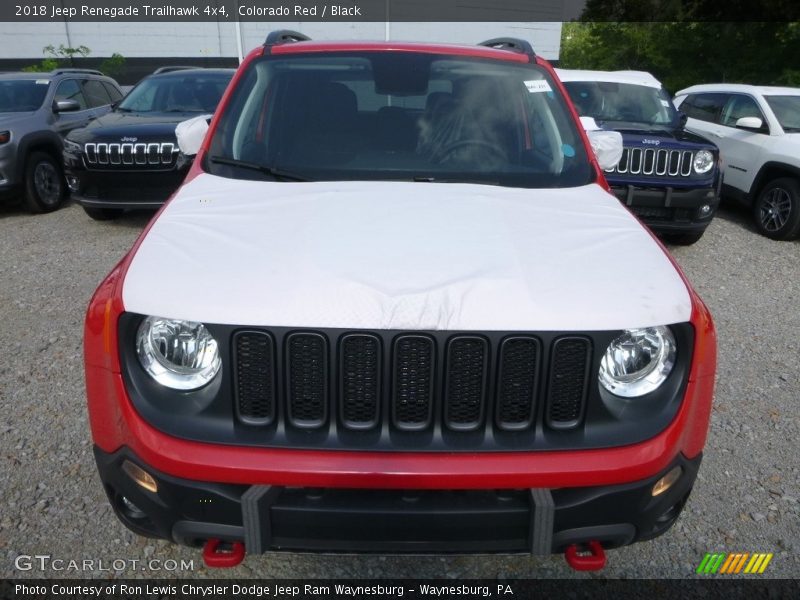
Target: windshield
22 95
622 103
787 111
398 116
199 93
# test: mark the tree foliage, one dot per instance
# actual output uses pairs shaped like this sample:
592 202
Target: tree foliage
61 56
686 53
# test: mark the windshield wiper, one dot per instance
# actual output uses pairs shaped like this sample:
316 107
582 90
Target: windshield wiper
271 171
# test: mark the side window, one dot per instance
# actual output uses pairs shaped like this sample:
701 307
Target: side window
70 89
95 93
113 92
704 107
739 106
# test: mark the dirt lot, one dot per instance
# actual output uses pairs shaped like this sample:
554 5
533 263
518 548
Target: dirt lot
746 498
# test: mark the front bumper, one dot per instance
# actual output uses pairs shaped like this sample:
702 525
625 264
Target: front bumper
298 519
123 188
668 209
9 186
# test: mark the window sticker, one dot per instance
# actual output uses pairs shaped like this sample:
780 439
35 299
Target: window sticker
568 150
536 86
42 81
664 103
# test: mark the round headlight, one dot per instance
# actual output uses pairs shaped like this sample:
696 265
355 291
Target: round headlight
638 361
703 161
181 355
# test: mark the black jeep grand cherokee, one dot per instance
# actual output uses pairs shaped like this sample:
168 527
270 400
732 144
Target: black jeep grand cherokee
129 158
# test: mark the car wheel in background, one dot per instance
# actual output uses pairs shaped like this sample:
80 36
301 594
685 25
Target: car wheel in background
777 209
44 183
103 214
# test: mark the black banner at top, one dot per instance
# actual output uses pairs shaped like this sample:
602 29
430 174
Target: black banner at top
397 10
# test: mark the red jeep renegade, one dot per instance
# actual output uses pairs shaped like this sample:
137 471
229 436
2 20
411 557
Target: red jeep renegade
394 308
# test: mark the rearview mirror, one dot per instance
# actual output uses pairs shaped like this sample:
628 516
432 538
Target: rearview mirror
752 123
60 106
191 134
607 145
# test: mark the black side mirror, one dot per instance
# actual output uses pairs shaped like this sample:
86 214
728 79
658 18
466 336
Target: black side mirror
60 106
682 118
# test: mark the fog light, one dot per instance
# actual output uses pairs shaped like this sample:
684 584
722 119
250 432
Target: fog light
73 183
140 476
667 481
705 209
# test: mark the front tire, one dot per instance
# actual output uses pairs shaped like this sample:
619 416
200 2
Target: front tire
103 214
45 188
777 209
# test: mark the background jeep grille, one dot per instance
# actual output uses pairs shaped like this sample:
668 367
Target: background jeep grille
654 162
130 155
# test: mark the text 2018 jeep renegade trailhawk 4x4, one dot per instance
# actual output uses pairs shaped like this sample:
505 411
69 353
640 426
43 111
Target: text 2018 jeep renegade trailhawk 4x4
394 308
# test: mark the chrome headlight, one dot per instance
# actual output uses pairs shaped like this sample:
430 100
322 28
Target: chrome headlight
181 355
703 161
638 361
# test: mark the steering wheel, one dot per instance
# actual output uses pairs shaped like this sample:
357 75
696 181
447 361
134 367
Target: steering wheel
494 149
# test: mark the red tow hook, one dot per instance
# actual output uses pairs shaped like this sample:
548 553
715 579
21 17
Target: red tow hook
214 556
593 561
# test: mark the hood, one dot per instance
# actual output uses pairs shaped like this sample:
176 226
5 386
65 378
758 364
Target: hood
115 125
411 256
667 138
9 119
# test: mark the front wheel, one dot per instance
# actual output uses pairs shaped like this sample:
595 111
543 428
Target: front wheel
44 183
777 209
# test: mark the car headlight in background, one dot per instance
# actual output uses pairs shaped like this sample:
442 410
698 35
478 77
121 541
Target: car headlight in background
181 355
72 147
703 161
638 361
5 137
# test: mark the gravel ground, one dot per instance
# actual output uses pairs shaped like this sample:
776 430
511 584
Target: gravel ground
746 498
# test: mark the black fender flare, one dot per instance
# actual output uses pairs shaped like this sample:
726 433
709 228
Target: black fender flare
760 178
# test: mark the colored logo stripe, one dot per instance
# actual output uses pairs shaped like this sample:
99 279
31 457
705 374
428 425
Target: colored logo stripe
729 564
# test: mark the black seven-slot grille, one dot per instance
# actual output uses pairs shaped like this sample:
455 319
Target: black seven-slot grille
468 394
405 391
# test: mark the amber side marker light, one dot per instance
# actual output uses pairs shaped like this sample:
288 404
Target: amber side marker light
140 476
667 481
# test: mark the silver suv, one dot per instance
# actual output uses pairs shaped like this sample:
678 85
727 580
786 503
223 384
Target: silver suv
36 111
757 130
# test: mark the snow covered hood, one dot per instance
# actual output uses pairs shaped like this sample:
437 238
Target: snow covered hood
383 255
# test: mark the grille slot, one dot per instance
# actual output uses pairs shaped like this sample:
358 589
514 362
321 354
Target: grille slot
360 373
254 377
517 382
465 382
569 375
412 395
307 378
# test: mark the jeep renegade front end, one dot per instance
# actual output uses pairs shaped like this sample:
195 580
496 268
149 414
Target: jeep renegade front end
394 308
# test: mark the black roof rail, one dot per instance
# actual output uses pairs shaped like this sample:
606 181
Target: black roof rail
513 44
285 36
71 70
160 70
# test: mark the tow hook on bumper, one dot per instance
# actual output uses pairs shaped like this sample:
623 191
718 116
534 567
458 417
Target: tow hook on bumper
590 557
214 555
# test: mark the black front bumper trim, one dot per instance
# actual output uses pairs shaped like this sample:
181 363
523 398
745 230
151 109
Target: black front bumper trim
274 518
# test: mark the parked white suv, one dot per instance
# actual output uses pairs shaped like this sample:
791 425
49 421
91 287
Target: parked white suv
757 130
